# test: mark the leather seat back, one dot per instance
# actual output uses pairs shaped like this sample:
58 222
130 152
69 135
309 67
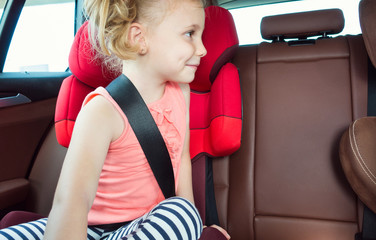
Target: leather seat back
357 149
298 95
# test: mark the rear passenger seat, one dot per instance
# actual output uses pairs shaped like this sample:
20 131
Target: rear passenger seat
286 181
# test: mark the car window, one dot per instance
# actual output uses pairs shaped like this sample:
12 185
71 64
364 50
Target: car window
42 38
248 20
2 5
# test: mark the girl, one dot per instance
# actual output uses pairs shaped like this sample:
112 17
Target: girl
106 182
159 43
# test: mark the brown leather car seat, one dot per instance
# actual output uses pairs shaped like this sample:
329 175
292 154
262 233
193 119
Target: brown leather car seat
358 143
300 92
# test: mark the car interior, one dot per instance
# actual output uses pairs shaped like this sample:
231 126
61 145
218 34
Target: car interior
282 138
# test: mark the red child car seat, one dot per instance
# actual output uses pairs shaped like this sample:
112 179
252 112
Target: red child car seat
216 106
215 99
215 92
87 75
220 96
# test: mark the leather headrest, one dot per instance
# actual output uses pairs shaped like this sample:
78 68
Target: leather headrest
302 25
221 41
358 158
83 64
367 16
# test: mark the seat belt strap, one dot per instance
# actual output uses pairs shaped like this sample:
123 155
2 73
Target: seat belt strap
146 130
369 224
371 106
211 213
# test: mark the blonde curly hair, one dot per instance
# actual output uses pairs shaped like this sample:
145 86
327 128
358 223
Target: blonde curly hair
110 21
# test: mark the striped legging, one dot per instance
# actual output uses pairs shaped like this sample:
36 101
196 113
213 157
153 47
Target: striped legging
174 218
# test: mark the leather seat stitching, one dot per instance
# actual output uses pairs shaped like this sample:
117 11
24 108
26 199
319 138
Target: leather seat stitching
360 158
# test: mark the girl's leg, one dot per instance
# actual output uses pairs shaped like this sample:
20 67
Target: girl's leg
30 230
35 230
174 218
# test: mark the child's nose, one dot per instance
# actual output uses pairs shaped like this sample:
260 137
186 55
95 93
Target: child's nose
201 50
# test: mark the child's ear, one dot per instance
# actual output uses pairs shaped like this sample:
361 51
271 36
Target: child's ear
136 36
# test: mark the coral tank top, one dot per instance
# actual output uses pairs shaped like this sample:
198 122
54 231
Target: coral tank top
127 188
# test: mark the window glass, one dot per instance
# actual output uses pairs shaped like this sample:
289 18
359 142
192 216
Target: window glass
248 20
42 38
2 5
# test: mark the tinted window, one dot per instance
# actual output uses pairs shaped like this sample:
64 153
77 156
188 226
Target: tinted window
43 37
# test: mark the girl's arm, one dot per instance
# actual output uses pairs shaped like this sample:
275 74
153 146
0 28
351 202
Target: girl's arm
185 188
96 126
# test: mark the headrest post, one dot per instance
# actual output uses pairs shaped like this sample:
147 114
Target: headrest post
278 39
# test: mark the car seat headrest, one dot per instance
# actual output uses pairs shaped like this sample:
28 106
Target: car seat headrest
358 158
83 63
87 74
367 17
223 39
215 109
302 25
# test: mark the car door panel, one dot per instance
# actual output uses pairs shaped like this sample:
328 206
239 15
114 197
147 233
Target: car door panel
23 127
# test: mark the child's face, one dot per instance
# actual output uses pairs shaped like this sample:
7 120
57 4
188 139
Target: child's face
175 46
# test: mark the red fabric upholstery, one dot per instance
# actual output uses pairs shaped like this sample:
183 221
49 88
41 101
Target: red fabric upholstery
86 76
215 108
221 41
216 113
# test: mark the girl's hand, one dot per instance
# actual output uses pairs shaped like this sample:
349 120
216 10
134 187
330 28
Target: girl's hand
224 232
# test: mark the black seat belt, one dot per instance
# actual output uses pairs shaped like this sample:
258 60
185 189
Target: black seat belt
211 213
369 225
130 101
371 106
369 217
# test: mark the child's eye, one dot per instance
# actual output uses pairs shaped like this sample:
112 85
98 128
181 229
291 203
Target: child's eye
189 34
